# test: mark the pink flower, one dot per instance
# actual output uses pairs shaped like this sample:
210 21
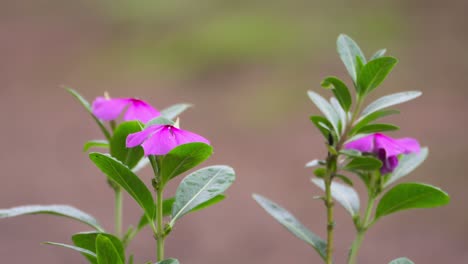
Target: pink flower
385 148
161 139
110 109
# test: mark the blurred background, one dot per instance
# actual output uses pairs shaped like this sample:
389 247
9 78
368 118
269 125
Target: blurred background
246 66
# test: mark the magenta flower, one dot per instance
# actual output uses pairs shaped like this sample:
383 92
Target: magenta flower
160 139
110 109
385 148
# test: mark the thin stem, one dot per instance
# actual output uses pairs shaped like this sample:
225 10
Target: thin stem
118 211
330 221
159 223
362 229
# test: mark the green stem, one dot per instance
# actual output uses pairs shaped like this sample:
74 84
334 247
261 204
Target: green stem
362 229
159 221
330 221
118 211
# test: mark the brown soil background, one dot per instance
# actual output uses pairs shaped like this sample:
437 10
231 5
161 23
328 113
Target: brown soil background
246 66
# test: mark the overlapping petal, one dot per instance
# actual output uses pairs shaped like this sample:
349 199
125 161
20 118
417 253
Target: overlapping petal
161 139
111 108
385 148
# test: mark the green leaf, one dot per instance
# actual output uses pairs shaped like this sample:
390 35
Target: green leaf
106 251
406 196
344 179
169 261
401 261
287 220
212 201
326 108
374 128
87 106
344 194
320 172
389 100
141 164
371 117
378 54
122 175
130 259
323 125
160 120
118 144
183 158
60 210
364 163
200 187
86 252
95 144
175 110
406 165
374 73
342 115
350 153
349 50
87 240
340 90
314 163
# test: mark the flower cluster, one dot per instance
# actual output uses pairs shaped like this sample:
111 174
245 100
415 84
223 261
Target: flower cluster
155 139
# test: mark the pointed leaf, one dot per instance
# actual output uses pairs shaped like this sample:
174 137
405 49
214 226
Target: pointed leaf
389 100
87 240
401 261
86 252
60 210
374 73
174 111
371 117
200 187
340 90
160 120
341 114
95 144
374 128
364 163
106 251
349 50
287 220
323 125
87 107
406 196
344 194
183 158
118 147
378 54
314 163
407 164
326 108
121 174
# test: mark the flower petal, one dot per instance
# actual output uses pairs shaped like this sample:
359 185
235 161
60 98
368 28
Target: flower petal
108 109
140 110
136 139
364 144
161 142
411 145
184 137
395 147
